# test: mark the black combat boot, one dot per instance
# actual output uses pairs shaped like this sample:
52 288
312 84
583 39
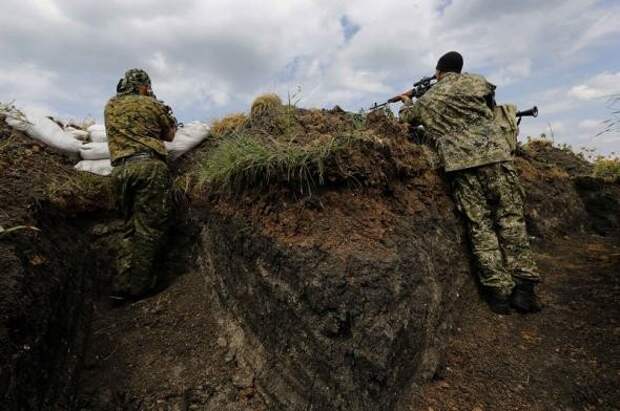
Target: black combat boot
499 304
524 299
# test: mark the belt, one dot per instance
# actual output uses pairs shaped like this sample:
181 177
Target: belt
134 157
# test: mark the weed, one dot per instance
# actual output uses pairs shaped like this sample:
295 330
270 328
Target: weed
228 125
358 119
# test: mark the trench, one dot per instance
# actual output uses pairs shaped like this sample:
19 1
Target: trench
69 355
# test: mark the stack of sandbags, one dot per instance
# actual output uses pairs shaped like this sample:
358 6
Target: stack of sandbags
96 154
43 129
90 140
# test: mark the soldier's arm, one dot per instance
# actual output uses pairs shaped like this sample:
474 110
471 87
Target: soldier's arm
169 134
167 123
409 113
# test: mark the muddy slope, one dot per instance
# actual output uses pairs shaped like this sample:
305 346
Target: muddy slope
46 279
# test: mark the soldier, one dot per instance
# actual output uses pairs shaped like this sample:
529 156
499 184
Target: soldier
457 114
137 125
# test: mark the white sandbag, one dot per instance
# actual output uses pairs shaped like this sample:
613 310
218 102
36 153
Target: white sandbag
81 124
77 133
43 129
186 138
97 133
95 151
100 167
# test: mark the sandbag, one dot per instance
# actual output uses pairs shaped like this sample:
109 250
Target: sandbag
186 138
94 151
101 167
97 133
43 129
77 133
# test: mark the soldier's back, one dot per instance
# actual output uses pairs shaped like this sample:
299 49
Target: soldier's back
134 124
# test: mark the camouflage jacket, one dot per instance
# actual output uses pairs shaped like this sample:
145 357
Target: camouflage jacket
136 124
459 121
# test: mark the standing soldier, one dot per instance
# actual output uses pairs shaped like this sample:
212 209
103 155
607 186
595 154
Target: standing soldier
137 125
457 114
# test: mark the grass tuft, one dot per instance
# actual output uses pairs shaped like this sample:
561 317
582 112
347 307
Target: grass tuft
265 104
246 161
228 125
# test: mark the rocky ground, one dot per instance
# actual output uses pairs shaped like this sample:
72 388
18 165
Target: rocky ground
359 296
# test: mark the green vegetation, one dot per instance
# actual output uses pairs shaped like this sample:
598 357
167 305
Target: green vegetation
247 161
607 168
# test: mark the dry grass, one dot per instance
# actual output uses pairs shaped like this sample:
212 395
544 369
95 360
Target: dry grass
79 189
266 104
228 125
538 143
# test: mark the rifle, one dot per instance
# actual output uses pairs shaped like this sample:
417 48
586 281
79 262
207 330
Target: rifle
532 112
420 87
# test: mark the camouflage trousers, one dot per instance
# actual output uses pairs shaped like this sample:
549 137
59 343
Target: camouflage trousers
491 199
144 192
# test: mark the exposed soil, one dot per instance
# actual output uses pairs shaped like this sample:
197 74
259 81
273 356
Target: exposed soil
168 352
46 276
565 358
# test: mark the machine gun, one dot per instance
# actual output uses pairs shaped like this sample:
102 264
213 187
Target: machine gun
532 112
420 87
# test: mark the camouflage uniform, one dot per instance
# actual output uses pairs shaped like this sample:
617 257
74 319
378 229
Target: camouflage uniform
136 124
476 152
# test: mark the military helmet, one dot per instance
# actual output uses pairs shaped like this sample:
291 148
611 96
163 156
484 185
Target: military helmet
132 79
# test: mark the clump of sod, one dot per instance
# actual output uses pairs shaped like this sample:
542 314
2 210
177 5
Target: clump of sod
265 105
266 113
228 125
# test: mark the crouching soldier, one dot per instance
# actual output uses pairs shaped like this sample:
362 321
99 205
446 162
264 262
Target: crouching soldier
137 125
458 117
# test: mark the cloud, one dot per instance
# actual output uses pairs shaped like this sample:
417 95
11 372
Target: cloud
591 124
603 85
210 57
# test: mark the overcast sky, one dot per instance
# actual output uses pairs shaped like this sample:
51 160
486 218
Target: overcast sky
207 58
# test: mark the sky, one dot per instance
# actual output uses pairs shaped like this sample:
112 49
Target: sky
209 58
